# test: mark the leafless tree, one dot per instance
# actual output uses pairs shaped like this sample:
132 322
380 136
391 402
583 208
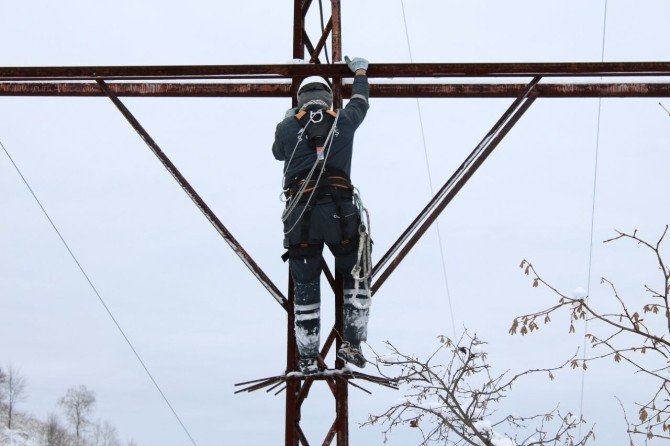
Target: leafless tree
104 434
3 381
452 397
78 404
637 333
54 434
15 392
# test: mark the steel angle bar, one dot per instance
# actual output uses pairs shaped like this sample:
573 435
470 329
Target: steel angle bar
505 90
322 42
148 89
308 45
283 90
305 7
199 202
436 205
379 70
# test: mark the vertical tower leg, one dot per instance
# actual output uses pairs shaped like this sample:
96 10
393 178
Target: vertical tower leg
337 51
292 386
298 43
341 386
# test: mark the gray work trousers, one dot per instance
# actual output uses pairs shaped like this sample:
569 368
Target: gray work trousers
306 265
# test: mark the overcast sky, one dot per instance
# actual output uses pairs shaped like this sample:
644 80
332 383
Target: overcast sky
193 311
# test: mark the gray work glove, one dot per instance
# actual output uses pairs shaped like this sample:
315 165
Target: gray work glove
357 63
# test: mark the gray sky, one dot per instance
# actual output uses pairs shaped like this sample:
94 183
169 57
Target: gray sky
196 315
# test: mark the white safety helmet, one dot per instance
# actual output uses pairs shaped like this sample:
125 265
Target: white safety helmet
314 83
315 91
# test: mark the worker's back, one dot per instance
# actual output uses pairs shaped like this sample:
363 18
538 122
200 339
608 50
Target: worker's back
340 152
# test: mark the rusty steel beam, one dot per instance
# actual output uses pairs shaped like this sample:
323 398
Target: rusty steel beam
298 24
197 199
321 43
310 47
282 90
455 177
454 184
378 70
261 90
292 403
612 90
305 7
341 385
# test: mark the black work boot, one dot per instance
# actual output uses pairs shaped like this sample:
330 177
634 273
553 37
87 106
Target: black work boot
308 366
352 353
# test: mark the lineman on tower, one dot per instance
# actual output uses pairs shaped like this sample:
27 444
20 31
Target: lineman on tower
316 145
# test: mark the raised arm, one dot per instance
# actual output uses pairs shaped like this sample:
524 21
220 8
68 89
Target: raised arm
360 91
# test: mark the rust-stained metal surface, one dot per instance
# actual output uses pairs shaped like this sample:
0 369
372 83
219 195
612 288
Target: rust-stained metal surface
70 81
322 42
197 199
292 387
378 70
146 89
341 387
309 46
454 184
280 90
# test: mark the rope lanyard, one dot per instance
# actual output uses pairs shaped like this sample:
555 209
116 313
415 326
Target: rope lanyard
295 200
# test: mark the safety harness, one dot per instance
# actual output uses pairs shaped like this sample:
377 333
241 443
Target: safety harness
317 124
333 187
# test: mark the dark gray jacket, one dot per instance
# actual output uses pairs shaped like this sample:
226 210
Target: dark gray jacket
341 150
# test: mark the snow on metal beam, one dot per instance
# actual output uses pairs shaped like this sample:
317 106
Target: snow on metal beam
381 70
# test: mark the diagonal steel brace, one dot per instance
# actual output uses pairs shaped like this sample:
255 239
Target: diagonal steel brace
199 202
436 205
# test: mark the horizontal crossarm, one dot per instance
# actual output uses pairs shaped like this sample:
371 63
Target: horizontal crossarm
281 90
338 70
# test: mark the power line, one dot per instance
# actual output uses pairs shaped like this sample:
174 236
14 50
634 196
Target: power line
593 215
95 290
430 179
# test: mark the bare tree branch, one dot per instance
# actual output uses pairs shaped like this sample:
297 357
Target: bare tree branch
629 338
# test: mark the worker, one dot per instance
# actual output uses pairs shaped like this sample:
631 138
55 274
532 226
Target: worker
316 143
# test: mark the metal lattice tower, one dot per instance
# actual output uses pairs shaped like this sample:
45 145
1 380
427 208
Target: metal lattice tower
141 81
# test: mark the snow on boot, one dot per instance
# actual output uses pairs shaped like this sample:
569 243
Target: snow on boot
352 354
308 366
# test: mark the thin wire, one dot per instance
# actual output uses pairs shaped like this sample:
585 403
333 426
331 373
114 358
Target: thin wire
323 29
95 290
430 179
593 217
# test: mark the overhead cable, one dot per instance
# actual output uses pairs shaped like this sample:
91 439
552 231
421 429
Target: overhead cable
430 180
593 214
97 293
